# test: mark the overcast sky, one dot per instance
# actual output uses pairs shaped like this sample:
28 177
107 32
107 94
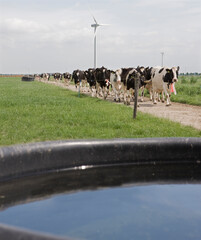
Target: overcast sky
56 35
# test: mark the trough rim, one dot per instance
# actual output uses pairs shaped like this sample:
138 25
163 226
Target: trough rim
41 157
31 159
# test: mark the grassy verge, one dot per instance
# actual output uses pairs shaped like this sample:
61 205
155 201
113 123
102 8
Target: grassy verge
34 111
188 90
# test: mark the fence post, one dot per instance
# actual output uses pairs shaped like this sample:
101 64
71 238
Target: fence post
136 83
79 88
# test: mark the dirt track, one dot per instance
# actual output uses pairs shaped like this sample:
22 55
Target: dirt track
182 113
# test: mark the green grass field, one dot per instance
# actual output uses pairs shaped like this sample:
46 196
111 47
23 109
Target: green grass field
34 111
188 90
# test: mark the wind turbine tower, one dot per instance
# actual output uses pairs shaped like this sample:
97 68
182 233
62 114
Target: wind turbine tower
95 25
162 54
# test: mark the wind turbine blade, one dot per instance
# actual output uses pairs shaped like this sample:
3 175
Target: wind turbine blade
94 19
104 24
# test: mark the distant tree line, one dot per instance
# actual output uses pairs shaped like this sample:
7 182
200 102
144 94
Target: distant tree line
11 75
190 74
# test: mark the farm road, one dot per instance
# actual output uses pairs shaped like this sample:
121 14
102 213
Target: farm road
185 114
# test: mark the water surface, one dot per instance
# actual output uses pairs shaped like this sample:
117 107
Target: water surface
171 211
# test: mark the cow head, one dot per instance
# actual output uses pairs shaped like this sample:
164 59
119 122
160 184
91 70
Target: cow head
147 73
118 73
132 77
86 73
102 74
140 69
171 75
90 75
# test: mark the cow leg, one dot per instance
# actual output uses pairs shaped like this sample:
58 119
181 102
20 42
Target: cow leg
168 100
90 90
112 93
115 92
78 86
165 91
101 92
84 86
119 89
142 94
163 97
104 93
118 96
88 87
158 96
93 91
167 97
150 95
81 86
154 97
132 92
98 89
107 91
125 94
128 97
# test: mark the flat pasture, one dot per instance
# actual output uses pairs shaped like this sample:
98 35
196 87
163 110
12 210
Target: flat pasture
188 90
34 111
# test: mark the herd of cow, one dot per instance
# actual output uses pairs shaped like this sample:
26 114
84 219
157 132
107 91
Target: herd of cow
158 81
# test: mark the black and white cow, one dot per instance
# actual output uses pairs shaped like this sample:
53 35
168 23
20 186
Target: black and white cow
67 78
147 83
57 76
123 76
90 75
129 84
102 76
37 76
79 79
116 83
44 76
48 76
162 80
128 77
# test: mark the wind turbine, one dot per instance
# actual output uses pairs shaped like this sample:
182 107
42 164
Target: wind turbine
95 25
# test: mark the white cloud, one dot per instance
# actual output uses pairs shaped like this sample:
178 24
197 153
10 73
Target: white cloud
59 32
16 25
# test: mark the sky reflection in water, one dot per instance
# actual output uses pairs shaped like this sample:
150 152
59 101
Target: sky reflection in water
142 212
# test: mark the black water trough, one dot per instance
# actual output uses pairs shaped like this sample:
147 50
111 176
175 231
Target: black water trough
101 189
28 78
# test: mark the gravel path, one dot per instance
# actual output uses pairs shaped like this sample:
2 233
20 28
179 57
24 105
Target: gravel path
185 114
